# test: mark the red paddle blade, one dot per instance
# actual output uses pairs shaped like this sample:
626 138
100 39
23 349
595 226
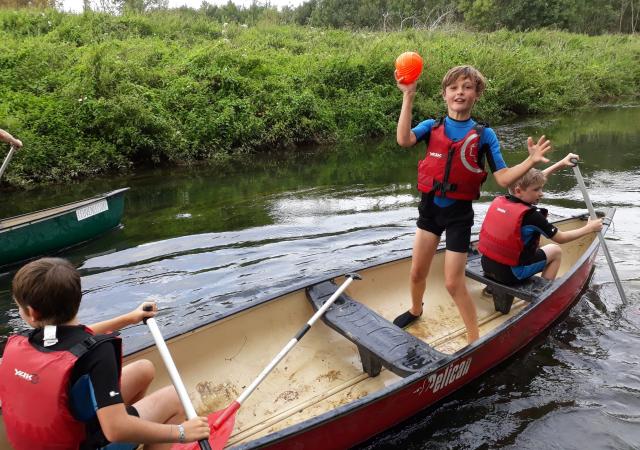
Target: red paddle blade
221 425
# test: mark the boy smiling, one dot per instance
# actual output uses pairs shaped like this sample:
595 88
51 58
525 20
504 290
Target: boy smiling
449 179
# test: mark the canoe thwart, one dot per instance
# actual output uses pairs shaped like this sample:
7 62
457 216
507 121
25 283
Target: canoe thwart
379 341
503 295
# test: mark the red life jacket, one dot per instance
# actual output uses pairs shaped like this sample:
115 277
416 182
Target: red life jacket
501 234
452 169
34 389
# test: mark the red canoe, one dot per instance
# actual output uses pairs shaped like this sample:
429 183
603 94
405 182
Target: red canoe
355 374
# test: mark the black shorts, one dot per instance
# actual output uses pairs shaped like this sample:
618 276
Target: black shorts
456 220
514 275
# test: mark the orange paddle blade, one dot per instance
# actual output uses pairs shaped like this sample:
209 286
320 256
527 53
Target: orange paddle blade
221 425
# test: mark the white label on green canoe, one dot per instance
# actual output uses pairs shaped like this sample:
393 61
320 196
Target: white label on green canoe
92 210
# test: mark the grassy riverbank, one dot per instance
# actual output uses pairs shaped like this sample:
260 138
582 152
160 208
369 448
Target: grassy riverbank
94 93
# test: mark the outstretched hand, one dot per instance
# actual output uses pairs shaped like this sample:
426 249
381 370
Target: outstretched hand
595 225
139 314
538 150
566 161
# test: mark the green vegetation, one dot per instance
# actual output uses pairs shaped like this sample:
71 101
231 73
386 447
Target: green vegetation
95 92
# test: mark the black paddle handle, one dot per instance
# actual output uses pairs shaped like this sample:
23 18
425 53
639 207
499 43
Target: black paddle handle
204 443
146 308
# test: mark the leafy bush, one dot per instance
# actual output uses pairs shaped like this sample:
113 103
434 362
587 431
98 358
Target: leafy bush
93 92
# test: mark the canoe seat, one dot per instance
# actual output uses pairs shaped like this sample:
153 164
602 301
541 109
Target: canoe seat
379 341
503 295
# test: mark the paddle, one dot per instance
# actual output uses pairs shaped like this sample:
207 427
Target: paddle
5 163
223 425
592 214
173 373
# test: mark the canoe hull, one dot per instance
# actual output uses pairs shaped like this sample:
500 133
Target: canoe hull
355 423
52 233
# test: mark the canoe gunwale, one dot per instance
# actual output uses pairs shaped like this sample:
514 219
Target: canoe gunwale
67 208
301 285
465 352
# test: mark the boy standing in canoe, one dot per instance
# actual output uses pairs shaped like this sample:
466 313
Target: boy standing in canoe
510 234
62 385
449 179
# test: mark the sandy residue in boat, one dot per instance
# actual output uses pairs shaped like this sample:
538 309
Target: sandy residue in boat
214 396
332 375
288 396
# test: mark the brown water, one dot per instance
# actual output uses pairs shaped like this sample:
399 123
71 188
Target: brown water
205 241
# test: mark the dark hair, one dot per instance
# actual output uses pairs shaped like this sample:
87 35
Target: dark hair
51 286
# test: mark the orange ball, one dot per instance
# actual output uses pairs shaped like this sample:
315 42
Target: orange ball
408 67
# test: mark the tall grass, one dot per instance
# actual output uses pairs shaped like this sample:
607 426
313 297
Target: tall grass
92 93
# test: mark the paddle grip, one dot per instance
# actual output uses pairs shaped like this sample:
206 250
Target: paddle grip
574 161
146 308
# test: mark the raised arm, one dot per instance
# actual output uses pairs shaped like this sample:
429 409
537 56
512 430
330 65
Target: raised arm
564 162
404 135
122 321
505 177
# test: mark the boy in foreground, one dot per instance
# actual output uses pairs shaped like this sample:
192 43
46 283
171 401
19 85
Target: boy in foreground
62 385
510 234
449 178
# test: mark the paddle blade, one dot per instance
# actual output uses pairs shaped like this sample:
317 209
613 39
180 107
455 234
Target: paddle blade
221 425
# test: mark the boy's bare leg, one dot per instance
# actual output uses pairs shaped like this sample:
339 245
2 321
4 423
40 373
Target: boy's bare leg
424 248
554 258
454 265
135 380
161 406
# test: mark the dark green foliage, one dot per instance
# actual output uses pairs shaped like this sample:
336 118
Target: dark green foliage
94 92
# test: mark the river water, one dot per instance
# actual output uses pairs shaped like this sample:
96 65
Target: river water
204 241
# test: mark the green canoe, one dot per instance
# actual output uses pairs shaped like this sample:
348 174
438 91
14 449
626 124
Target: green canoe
54 229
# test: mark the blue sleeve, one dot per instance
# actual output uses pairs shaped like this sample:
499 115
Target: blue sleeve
422 129
494 157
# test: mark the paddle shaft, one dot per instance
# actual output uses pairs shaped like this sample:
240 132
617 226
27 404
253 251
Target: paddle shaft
252 387
5 163
592 214
174 375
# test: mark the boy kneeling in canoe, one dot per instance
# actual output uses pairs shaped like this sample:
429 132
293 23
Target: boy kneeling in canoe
510 234
62 385
449 178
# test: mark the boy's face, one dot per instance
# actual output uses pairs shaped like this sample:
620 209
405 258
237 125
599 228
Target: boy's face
460 96
531 194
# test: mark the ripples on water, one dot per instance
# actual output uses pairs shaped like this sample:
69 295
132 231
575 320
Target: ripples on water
576 387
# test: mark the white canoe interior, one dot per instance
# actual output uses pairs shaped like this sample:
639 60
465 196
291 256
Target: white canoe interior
323 371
